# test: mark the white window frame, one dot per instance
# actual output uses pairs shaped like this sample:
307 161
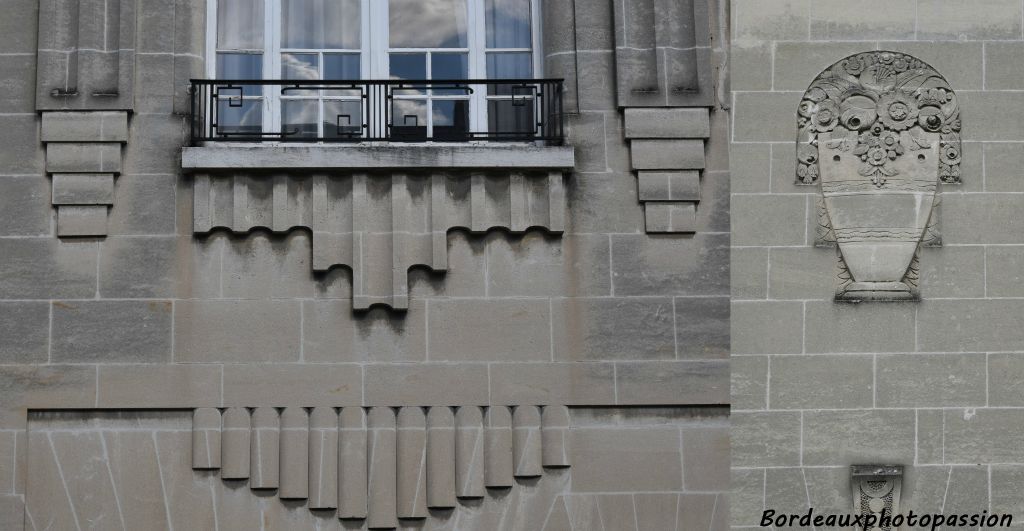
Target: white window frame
375 51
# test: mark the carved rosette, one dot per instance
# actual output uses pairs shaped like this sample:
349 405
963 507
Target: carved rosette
878 131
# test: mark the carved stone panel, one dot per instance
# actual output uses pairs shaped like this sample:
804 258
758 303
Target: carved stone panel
878 131
876 493
86 55
662 53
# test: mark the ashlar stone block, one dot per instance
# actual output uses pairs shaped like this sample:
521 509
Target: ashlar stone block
674 154
323 458
82 220
667 123
469 452
264 446
382 458
24 327
235 439
25 206
441 459
206 426
668 186
617 460
111 331
352 463
294 475
81 157
83 189
498 464
670 217
85 127
411 447
526 441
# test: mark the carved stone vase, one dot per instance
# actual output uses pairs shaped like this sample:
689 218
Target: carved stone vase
878 222
879 131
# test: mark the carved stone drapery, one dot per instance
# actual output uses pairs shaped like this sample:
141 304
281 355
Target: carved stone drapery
381 464
379 210
878 130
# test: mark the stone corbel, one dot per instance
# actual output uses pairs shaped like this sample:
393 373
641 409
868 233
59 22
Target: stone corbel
667 153
663 65
83 155
876 493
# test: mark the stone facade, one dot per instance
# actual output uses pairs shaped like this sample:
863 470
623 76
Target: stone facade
488 337
522 337
818 385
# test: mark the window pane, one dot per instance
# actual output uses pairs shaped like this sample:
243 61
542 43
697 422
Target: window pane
341 66
507 119
303 66
409 119
240 24
320 24
241 66
427 23
246 117
451 119
408 66
449 66
299 118
508 23
508 66
300 66
343 119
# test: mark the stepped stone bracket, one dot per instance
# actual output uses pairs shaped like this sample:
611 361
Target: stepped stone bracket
878 131
381 222
876 493
83 156
381 464
667 154
86 57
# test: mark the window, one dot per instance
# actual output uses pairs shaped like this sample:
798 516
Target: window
434 40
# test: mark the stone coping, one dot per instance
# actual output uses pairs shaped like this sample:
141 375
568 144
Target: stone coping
376 156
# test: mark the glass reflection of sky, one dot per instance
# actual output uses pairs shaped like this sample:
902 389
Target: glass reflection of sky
427 23
300 66
443 112
320 24
240 25
508 23
248 118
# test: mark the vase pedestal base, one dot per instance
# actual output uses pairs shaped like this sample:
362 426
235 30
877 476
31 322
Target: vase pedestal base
877 291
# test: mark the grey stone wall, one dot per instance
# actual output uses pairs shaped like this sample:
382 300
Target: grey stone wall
818 386
628 329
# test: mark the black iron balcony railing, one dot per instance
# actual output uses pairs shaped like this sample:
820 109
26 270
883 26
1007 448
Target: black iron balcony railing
497 110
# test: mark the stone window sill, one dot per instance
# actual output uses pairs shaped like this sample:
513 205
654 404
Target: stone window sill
377 156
